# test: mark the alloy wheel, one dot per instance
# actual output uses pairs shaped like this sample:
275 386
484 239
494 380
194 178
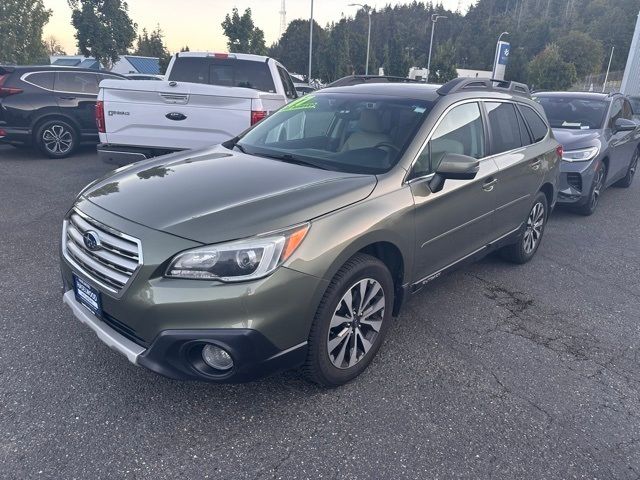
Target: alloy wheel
597 188
535 224
57 139
356 323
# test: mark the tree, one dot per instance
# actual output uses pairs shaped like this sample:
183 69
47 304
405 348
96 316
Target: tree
53 46
152 45
185 49
21 24
443 66
243 35
581 50
292 49
103 28
547 71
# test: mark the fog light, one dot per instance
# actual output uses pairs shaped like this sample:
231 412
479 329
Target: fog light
217 357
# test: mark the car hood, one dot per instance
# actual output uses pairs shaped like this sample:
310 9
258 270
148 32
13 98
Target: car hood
216 195
573 139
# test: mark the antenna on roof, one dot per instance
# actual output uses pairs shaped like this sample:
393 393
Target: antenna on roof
283 17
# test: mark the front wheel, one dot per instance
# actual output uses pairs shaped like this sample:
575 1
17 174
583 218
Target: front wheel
351 322
56 139
627 180
597 187
526 247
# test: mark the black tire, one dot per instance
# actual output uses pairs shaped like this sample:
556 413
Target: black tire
627 180
597 187
56 138
523 250
319 366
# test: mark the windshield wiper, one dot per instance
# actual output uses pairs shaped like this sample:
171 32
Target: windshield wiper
287 157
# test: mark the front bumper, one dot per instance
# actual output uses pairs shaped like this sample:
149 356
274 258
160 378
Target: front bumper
176 353
576 179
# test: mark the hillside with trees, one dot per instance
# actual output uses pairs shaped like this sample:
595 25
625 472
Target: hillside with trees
573 35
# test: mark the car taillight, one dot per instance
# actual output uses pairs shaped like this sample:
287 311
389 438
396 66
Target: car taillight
257 116
100 117
560 151
6 91
3 133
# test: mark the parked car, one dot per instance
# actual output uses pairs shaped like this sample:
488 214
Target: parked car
600 141
296 242
359 79
303 89
635 106
50 108
206 99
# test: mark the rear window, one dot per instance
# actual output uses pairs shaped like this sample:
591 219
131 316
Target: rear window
538 128
41 79
228 72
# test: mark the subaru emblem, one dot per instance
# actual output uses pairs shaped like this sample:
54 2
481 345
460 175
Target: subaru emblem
92 240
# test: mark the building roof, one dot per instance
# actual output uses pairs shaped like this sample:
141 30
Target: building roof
148 65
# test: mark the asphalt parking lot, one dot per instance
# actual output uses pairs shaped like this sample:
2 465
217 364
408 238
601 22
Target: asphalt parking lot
494 371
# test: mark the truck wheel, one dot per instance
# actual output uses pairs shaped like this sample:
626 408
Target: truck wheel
526 247
351 322
56 138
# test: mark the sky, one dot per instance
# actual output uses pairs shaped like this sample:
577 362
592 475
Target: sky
196 23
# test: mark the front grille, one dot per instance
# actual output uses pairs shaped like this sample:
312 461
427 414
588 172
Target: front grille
113 264
575 181
122 329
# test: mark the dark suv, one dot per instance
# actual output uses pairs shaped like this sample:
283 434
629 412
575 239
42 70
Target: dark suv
51 108
295 243
600 141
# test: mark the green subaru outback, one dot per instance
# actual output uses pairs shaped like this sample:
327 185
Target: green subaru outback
294 244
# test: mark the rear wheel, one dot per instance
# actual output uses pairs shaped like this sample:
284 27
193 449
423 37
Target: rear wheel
526 247
628 178
351 322
56 138
597 187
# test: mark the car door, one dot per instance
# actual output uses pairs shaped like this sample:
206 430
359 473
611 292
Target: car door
76 93
621 144
455 222
519 163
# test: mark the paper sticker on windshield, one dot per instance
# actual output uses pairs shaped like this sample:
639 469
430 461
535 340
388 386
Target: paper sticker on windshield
571 124
308 102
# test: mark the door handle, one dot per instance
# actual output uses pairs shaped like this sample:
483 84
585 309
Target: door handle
535 165
488 185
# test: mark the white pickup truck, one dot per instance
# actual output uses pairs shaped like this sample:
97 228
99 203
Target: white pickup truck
206 99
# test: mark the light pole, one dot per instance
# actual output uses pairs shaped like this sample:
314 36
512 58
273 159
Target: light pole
310 43
497 55
367 9
434 19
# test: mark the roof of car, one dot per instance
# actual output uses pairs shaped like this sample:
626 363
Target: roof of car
583 95
423 91
36 68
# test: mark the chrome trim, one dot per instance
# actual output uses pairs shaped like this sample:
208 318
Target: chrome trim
54 70
100 269
462 102
105 333
438 272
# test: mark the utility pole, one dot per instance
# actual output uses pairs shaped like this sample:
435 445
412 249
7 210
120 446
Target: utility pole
310 43
606 77
283 17
367 9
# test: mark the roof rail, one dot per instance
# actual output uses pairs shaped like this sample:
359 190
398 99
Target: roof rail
488 84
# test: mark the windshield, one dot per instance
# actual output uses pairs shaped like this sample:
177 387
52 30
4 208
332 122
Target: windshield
635 105
571 112
339 131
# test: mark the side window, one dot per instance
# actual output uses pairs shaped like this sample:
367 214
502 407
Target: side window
77 82
627 111
616 112
538 127
525 138
505 132
460 131
41 79
289 89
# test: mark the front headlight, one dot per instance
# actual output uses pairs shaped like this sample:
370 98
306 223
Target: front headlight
581 155
240 260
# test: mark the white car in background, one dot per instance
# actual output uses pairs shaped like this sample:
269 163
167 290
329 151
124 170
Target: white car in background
205 99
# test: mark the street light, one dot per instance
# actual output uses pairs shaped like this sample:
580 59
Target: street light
310 42
367 9
434 19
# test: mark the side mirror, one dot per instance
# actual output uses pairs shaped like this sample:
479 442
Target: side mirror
455 167
624 125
